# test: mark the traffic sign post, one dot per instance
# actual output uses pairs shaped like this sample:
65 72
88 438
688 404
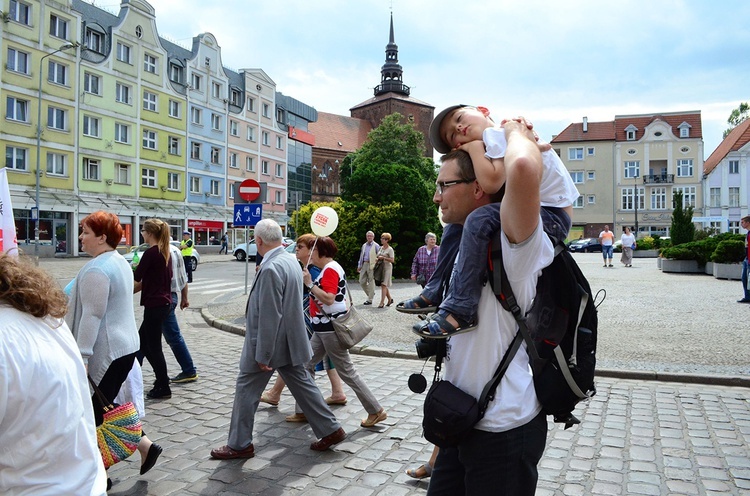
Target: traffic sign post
249 190
247 215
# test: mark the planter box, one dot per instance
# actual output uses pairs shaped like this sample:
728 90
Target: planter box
681 266
658 262
728 271
645 253
709 269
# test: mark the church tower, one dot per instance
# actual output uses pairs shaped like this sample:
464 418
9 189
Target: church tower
392 95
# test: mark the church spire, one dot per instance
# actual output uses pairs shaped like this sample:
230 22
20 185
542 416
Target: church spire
391 74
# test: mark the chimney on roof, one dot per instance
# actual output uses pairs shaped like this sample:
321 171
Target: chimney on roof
585 124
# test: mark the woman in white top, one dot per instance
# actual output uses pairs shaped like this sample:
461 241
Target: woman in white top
328 295
47 433
628 245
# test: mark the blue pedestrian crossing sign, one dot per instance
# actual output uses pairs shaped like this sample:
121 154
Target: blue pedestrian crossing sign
247 214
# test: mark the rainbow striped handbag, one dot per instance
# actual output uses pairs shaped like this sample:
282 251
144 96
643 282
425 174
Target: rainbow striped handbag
119 433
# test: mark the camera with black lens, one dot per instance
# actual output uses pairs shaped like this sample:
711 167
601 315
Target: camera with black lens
429 347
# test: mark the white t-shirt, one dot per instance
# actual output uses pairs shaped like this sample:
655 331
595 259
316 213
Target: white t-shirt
557 188
474 356
628 240
47 433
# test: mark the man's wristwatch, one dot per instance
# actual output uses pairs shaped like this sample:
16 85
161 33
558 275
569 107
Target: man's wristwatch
309 288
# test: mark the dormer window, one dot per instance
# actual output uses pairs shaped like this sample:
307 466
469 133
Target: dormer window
684 130
630 132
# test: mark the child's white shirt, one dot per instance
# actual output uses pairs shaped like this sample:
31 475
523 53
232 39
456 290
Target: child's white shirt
557 188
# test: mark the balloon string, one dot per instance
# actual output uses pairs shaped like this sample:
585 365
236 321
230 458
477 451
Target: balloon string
309 258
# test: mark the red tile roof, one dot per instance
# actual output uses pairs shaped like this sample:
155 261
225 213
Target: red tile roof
674 119
597 131
339 132
735 140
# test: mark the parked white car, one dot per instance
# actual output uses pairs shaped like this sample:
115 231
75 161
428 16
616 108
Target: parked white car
251 251
194 260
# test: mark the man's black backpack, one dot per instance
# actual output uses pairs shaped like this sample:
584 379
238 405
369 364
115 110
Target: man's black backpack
560 331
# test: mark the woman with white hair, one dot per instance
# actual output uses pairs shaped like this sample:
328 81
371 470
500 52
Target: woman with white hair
425 260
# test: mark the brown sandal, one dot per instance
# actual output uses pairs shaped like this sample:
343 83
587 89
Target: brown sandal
374 418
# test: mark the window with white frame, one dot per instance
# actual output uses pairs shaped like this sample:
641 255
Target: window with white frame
579 202
630 132
685 167
590 151
734 197
684 132
123 52
122 133
575 153
94 41
232 188
149 139
57 118
632 168
16 158
279 142
280 116
58 27
251 104
214 188
196 116
233 160
734 166
20 12
122 93
196 82
174 145
266 110
215 155
591 175
175 73
734 226
250 164
235 97
577 176
250 133
17 61
279 170
173 181
216 122
591 199
57 164
149 63
195 184
279 198
148 177
658 198
714 197
266 138
149 101
92 83
17 109
628 198
195 150
175 109
91 169
57 73
264 167
92 126
122 173
215 90
234 128
688 195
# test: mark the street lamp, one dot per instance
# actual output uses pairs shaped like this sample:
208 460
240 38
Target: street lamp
66 46
635 204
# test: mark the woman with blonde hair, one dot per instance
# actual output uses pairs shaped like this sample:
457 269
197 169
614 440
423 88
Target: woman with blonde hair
47 431
386 256
153 278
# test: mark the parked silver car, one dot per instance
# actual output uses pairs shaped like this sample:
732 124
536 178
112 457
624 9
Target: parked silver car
194 260
251 251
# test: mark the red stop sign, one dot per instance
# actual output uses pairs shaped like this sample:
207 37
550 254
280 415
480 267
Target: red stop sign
249 189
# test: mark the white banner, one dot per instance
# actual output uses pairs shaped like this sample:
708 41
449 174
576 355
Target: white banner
8 241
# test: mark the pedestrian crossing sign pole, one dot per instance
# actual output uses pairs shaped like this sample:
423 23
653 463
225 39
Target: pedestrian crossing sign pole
248 215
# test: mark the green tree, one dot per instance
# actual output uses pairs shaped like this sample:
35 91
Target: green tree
683 229
738 116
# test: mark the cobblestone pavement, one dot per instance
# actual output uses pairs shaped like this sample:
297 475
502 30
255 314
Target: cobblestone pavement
636 437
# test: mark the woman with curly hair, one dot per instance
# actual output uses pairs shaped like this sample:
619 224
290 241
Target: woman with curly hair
43 390
102 319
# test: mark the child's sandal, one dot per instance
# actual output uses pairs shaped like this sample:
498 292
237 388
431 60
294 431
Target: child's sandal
416 305
438 327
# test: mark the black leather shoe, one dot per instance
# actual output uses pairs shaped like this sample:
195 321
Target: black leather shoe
743 300
162 393
336 437
153 454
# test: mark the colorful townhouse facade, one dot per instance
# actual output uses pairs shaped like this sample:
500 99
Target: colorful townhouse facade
627 170
132 123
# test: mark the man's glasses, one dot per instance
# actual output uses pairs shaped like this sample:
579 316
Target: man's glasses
441 186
